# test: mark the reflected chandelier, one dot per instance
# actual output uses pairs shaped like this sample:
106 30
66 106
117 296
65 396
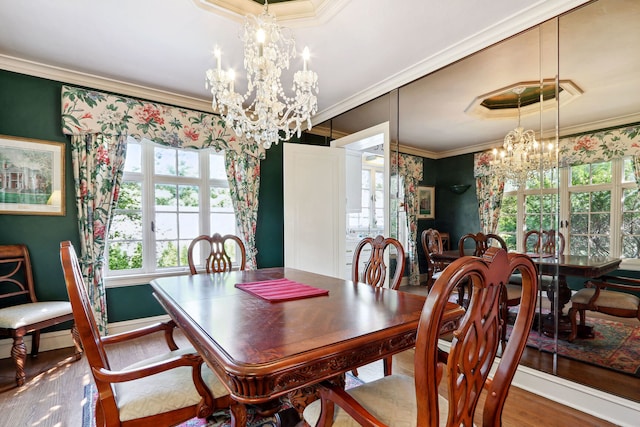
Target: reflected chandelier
521 155
268 111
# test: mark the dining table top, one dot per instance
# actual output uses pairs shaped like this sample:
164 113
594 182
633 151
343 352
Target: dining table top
264 349
570 265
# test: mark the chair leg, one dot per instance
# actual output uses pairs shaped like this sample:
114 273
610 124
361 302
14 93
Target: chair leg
573 312
19 355
35 343
387 362
76 341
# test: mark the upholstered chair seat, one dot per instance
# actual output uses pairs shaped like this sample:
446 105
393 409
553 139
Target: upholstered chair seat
607 299
391 400
16 316
163 392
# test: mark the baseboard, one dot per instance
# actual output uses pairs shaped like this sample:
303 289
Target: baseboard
615 409
62 339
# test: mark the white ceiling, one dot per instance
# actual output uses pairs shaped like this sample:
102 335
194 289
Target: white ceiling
360 49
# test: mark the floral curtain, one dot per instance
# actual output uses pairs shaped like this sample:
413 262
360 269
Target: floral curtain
489 190
636 169
86 111
243 173
410 171
98 164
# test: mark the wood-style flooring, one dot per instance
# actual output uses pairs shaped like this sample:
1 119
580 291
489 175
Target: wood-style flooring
53 394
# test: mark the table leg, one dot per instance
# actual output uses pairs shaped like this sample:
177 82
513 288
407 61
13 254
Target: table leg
564 296
238 414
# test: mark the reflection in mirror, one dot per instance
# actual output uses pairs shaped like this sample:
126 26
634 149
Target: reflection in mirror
587 59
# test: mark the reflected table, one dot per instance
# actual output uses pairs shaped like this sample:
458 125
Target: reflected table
586 267
262 350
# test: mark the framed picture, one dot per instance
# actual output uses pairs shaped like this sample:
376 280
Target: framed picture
427 202
31 176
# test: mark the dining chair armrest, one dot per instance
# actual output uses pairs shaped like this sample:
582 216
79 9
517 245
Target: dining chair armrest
166 327
615 282
333 394
110 376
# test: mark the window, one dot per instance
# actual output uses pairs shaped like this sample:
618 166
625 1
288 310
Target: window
371 218
600 200
168 197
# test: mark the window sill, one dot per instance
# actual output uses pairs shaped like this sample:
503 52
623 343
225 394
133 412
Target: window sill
140 279
632 264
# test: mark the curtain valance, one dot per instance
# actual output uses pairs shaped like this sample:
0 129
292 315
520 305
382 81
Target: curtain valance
88 111
592 147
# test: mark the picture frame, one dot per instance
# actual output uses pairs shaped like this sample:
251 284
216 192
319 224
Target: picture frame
31 176
426 202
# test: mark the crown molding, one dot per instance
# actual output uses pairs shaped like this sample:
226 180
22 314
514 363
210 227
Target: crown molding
64 75
299 13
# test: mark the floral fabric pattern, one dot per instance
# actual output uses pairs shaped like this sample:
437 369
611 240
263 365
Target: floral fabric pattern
489 190
410 171
87 111
593 147
98 165
243 174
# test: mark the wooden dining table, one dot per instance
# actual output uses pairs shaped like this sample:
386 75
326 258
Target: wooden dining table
262 350
586 267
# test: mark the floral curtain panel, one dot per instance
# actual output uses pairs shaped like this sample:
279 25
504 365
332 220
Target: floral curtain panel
86 111
243 173
489 190
98 164
410 171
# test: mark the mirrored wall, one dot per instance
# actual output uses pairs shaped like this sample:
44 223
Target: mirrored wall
581 76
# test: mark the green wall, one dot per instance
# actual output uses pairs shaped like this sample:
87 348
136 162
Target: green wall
30 108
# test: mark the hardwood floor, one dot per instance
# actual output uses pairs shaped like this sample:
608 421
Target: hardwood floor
607 380
53 394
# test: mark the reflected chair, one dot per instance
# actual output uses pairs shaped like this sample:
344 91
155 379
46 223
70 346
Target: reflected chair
166 389
481 242
432 244
400 400
22 313
375 269
604 296
217 247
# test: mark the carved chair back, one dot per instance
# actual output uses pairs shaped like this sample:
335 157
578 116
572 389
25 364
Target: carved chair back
375 268
481 242
216 248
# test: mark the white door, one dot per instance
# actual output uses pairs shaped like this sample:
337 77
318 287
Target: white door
314 208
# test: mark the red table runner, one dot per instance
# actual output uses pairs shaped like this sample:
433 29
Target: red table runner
281 290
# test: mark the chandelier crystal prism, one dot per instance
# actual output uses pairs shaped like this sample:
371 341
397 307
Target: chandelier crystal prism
522 156
265 113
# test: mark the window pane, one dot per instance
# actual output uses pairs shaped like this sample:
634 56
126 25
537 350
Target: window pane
133 162
165 196
166 254
165 161
601 201
188 164
220 199
628 170
601 173
166 226
189 225
223 223
579 224
579 245
580 175
125 255
217 169
189 198
130 195
126 226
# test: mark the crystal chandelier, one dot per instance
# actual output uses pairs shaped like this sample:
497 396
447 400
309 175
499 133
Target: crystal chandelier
265 111
521 155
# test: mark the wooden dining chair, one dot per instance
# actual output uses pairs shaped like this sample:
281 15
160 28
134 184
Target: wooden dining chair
166 389
216 247
21 313
432 244
374 272
401 400
610 295
481 242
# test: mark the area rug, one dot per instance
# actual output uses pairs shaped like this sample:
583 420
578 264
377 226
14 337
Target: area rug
614 346
218 419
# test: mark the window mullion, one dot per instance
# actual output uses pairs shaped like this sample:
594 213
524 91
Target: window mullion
616 208
148 209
